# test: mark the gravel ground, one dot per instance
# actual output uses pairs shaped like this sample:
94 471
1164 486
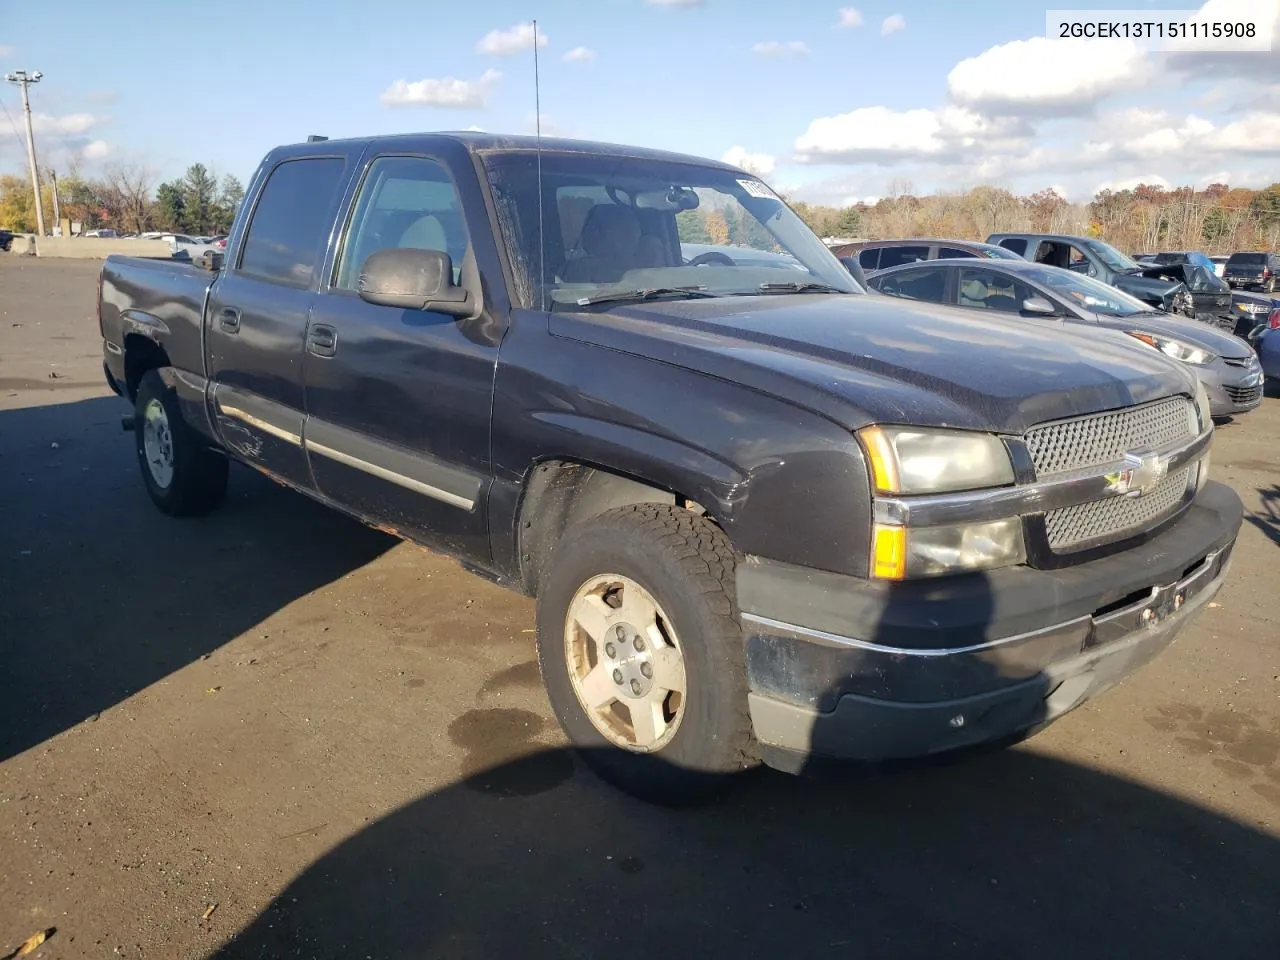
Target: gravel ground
273 732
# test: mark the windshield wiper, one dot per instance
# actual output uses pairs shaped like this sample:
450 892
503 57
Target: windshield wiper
798 286
651 293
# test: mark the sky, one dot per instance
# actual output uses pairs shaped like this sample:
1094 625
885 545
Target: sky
830 102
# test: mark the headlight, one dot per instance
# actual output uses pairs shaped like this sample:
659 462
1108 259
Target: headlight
901 552
908 460
1173 348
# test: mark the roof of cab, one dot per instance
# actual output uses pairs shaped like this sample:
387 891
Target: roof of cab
478 142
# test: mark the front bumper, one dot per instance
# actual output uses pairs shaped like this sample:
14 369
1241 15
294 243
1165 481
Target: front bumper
1232 390
851 669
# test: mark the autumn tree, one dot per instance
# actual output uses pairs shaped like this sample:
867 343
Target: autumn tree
717 227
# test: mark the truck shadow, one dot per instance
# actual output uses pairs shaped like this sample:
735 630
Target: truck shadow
1010 855
1007 854
1268 519
102 595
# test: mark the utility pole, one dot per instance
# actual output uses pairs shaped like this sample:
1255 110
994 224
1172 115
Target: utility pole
24 80
57 210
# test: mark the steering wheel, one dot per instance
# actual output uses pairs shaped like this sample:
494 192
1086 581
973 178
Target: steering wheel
710 257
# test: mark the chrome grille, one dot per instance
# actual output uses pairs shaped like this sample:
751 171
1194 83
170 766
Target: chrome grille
1089 442
1103 520
1105 438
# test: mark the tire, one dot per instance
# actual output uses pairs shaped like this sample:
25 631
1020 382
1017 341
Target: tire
183 476
685 565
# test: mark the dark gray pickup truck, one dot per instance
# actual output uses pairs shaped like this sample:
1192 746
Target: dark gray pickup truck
764 515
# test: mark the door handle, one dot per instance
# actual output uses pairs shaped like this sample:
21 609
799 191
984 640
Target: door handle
229 319
322 340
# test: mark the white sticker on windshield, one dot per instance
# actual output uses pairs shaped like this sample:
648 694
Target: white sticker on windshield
757 189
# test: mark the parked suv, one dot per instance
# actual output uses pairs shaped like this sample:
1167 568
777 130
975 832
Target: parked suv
883 254
1253 270
1103 262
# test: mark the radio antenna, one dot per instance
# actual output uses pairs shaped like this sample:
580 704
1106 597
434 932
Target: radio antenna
537 127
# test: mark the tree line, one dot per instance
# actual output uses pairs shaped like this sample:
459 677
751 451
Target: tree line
1219 219
127 199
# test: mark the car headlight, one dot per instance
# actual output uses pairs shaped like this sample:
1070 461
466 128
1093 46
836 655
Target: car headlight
1173 348
900 552
908 460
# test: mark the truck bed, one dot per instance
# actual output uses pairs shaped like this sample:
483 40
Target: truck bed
160 299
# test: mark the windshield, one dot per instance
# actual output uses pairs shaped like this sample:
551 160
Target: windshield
1087 293
613 225
1113 258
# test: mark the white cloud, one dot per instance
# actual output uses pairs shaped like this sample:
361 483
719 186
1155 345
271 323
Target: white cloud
1043 76
1130 183
96 150
1260 65
761 164
850 17
7 51
892 24
884 136
674 3
580 55
502 43
443 92
66 124
474 129
775 48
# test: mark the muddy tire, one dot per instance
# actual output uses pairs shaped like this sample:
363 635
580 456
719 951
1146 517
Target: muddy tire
183 476
641 652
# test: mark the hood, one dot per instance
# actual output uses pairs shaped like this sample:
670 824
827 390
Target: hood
1150 289
1195 332
863 359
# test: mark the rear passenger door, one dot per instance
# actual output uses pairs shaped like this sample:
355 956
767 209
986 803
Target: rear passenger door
257 312
398 401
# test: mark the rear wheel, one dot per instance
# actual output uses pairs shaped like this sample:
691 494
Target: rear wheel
642 653
182 475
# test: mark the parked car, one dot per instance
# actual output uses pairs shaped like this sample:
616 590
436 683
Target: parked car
764 516
1250 311
1210 297
1219 265
1224 364
103 233
882 254
1103 262
1184 256
1268 341
1253 271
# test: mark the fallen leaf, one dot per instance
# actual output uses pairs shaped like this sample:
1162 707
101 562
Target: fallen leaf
209 911
32 942
1214 606
212 689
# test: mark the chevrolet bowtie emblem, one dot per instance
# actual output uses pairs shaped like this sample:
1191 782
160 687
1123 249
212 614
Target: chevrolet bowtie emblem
1141 474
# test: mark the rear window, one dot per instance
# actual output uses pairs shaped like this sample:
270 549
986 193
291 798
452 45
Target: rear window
868 258
1017 244
1248 258
291 221
893 256
950 253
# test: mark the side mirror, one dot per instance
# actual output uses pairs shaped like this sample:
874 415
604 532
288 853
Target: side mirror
1038 307
210 260
413 280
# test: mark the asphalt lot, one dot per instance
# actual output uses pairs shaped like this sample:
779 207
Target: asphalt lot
339 743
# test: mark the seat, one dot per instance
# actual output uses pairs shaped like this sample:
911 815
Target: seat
425 233
973 293
611 244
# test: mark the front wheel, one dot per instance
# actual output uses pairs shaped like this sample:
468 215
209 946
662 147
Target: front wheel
183 476
642 653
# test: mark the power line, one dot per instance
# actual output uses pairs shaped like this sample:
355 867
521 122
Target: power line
16 135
